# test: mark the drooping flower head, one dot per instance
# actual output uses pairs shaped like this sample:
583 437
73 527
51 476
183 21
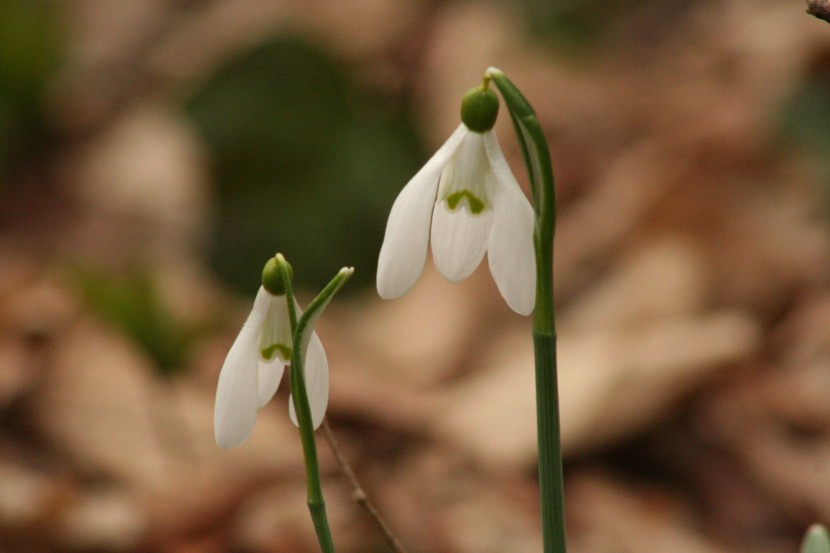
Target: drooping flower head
256 362
468 201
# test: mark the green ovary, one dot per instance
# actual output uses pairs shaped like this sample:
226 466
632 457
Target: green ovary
475 204
269 352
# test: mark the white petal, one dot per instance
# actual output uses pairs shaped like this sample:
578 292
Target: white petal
404 248
270 375
510 251
316 382
459 240
236 393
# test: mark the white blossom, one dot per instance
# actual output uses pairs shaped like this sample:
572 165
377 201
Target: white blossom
254 368
468 201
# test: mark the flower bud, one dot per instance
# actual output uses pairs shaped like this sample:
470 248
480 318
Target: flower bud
272 275
479 109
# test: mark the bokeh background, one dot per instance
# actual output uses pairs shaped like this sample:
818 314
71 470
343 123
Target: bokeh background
154 154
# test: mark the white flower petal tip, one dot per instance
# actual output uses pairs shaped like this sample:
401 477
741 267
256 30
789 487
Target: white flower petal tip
232 427
510 252
465 202
270 376
316 383
237 389
237 392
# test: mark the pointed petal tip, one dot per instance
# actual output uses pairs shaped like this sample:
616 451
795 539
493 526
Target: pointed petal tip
235 407
522 309
519 293
229 442
270 376
516 282
510 251
229 435
316 416
391 283
390 291
317 383
233 419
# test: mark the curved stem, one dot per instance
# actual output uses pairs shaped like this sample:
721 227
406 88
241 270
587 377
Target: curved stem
316 503
537 159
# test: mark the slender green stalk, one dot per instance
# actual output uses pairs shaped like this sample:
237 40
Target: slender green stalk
302 330
537 159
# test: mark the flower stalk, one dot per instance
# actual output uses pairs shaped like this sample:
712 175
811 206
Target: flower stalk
302 329
540 173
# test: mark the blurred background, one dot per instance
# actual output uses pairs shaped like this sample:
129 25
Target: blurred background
154 154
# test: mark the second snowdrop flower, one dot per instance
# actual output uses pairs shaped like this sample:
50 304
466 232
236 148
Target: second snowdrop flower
256 362
467 199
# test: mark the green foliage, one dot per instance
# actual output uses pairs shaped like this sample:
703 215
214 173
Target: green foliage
572 25
29 54
305 164
131 303
806 115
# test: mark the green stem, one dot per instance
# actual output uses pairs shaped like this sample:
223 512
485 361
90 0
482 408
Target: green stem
316 503
537 159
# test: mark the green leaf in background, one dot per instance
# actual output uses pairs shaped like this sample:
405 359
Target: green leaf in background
573 26
806 115
131 303
29 55
305 163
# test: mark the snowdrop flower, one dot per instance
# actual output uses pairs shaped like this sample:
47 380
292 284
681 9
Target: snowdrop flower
256 362
467 199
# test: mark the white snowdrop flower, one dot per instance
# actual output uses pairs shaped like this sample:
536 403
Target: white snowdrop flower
468 201
256 362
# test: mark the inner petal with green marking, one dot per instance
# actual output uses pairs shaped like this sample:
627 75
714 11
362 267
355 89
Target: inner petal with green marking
268 353
275 337
474 204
